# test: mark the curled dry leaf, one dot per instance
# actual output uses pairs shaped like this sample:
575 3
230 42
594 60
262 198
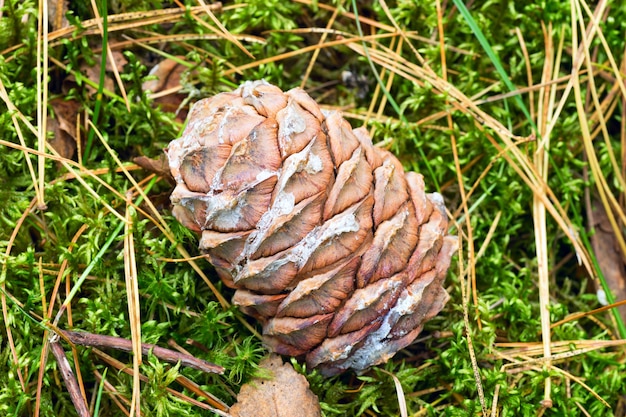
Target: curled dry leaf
329 243
63 126
285 394
167 75
608 253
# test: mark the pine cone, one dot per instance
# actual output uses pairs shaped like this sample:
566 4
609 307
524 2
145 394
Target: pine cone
327 241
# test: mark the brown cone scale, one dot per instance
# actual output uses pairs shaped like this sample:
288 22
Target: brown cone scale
327 241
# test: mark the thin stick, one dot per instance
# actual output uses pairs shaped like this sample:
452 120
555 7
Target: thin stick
112 342
68 377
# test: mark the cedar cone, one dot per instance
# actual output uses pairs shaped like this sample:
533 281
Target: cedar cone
327 241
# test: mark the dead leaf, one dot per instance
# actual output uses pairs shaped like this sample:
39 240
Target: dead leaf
608 255
66 111
168 75
63 126
61 142
286 394
159 166
93 74
120 62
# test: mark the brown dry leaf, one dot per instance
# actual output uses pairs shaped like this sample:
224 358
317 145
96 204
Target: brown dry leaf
168 74
608 254
120 62
63 126
286 394
158 166
93 74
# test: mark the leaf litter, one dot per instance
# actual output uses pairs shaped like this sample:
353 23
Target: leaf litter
285 394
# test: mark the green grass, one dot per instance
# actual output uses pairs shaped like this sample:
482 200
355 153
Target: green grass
503 128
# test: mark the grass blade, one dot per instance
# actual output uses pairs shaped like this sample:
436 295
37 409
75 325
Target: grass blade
493 57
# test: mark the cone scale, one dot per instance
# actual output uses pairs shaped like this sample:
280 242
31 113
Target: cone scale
337 251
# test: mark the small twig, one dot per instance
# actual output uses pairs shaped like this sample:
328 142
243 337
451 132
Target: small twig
112 342
68 377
